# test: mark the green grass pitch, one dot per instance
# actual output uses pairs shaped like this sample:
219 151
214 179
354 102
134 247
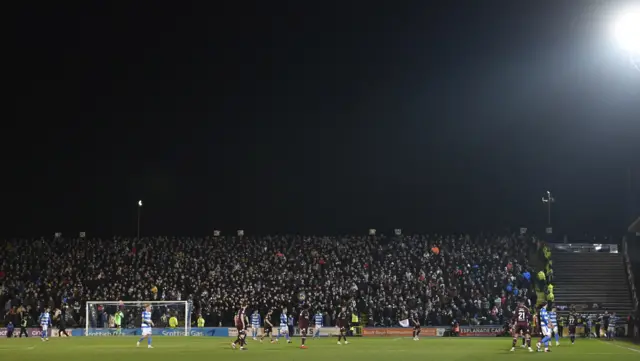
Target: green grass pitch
325 349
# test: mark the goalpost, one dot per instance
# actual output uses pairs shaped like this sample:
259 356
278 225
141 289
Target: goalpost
100 317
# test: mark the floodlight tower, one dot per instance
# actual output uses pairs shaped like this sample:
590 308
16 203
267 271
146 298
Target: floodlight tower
626 31
548 200
139 214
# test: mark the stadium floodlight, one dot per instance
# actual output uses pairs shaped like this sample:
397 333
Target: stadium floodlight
100 317
548 200
626 31
139 215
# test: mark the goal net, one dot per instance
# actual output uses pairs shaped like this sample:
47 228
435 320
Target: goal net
102 317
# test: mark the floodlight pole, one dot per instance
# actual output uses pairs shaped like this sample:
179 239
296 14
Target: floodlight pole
548 199
139 215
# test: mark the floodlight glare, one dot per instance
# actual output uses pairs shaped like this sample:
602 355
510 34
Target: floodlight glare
627 31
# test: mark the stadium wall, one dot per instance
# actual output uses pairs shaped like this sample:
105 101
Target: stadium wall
481 331
107 332
402 332
32 332
111 332
465 331
324 331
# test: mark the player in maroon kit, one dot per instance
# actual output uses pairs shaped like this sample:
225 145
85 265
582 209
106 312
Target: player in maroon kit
416 326
342 324
268 326
303 324
521 318
241 326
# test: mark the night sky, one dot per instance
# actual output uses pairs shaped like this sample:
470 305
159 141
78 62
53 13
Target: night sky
318 117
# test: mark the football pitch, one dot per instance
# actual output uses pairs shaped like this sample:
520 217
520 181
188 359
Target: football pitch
324 349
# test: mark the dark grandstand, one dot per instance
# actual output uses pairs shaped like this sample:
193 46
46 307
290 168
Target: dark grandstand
471 280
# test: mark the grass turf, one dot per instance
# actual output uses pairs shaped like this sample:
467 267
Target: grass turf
325 349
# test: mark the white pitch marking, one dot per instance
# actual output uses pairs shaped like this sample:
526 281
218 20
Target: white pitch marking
626 348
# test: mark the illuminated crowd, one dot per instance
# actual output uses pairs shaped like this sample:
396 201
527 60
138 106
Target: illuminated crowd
473 280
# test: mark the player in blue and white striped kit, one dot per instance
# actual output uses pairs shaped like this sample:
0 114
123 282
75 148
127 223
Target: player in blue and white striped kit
611 327
256 320
553 319
319 320
546 326
146 326
284 327
45 322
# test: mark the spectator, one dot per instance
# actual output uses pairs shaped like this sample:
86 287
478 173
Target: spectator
442 278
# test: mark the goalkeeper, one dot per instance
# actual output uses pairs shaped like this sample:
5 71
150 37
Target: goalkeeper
118 318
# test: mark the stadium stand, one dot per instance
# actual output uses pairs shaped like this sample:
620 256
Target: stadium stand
594 281
442 278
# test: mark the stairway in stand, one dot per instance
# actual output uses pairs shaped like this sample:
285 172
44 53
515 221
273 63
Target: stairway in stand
592 278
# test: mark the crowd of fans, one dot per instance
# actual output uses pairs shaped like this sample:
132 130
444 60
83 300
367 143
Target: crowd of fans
472 280
632 269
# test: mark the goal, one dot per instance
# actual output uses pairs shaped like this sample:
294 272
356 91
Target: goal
100 317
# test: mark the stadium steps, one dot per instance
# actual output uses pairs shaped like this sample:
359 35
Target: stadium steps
585 279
